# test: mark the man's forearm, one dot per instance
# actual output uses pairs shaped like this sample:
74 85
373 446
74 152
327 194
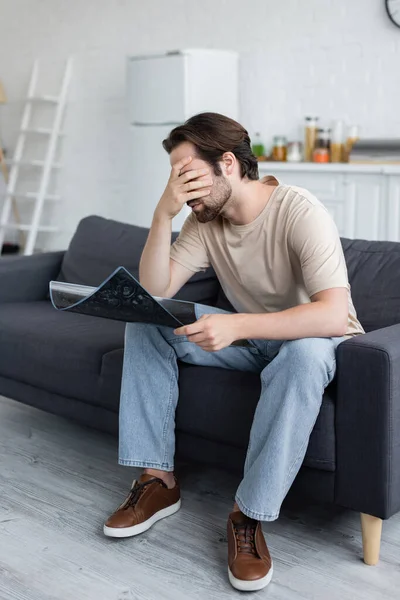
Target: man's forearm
316 319
154 269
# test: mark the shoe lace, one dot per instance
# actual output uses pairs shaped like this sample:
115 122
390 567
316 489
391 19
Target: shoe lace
138 489
245 538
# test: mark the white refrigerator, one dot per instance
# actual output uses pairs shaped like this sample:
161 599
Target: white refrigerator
163 91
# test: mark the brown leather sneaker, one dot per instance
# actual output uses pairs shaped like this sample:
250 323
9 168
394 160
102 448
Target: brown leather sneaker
148 501
249 561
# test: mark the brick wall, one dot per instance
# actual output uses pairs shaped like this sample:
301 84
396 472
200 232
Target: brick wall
333 58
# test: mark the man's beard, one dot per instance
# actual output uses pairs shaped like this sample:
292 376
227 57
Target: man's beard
212 205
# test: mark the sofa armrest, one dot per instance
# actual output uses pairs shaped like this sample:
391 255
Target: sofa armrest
26 278
368 423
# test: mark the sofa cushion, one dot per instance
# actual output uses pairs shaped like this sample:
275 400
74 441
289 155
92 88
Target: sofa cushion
219 404
374 275
59 352
101 245
98 247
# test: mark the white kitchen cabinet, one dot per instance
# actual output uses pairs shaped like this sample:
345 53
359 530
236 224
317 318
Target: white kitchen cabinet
364 200
364 206
328 188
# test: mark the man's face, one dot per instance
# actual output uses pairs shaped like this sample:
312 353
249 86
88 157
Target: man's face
206 208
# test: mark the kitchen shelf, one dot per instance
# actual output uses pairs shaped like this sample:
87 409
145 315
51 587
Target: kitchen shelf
270 166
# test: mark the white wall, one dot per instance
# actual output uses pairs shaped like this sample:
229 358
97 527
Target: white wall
333 58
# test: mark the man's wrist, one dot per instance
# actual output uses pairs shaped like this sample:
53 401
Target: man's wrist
239 328
161 217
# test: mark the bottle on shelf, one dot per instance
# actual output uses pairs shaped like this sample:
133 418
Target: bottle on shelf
310 137
257 146
279 149
337 142
294 152
321 152
353 134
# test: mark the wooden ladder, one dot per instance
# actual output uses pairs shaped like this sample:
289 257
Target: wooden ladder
44 167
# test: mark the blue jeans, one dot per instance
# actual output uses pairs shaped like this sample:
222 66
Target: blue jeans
293 375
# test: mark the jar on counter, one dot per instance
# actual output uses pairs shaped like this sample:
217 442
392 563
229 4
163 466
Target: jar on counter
321 152
279 150
257 147
353 134
294 152
337 143
310 137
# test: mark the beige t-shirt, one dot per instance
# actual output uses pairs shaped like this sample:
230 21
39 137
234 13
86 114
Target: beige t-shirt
290 252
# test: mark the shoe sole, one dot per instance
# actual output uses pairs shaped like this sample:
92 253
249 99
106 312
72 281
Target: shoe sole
250 586
123 532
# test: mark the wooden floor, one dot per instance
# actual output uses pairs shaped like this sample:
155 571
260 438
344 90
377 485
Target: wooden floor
58 481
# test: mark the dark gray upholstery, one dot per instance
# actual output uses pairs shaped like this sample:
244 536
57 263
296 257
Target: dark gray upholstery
57 351
98 247
368 422
27 278
213 405
101 245
374 273
71 365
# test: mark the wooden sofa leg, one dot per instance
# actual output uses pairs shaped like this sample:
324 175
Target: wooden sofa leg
371 528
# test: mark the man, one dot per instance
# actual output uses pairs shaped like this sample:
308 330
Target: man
278 257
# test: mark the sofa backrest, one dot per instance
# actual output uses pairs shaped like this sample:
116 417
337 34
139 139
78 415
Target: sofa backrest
101 245
374 275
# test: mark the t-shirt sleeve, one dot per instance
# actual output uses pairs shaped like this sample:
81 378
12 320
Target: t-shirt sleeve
315 240
188 249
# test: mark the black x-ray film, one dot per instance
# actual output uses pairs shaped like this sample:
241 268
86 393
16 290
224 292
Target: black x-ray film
122 298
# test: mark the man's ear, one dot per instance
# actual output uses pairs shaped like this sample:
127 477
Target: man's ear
229 162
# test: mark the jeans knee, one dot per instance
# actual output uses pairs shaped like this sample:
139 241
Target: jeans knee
143 333
133 330
136 332
310 353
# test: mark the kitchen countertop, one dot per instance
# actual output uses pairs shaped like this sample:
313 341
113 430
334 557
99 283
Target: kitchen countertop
380 169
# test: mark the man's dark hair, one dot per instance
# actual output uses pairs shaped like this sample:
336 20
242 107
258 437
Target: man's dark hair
213 135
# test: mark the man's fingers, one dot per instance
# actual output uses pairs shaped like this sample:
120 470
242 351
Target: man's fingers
196 184
198 333
193 328
180 330
193 174
197 338
198 194
178 166
190 329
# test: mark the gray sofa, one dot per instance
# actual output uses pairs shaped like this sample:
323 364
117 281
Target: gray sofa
70 364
